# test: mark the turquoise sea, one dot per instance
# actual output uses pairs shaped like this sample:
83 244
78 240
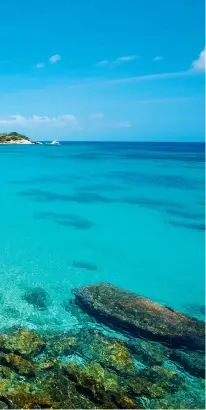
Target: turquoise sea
131 214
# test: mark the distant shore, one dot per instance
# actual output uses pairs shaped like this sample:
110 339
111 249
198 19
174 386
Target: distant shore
15 138
20 142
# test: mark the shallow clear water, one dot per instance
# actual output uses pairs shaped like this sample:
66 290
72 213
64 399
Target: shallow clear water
81 213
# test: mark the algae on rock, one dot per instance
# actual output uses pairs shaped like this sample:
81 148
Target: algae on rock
109 351
141 317
23 342
150 353
18 364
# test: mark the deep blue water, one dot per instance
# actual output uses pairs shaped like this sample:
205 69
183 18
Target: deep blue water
127 213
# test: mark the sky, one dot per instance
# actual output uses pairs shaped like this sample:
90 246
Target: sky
129 70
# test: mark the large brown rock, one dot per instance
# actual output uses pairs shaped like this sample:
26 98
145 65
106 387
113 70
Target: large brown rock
140 316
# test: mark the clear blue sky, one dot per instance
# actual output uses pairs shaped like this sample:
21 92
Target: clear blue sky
103 69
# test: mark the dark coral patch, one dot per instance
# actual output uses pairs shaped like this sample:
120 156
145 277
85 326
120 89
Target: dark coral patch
48 196
84 265
68 220
185 214
36 297
199 227
167 181
44 196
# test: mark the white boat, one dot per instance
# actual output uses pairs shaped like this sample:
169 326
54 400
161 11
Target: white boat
55 142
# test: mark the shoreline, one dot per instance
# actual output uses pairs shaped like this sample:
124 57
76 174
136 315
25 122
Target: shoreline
18 143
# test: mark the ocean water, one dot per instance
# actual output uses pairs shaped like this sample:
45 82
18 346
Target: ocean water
131 214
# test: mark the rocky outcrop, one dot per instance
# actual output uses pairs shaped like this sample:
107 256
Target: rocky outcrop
14 138
140 316
192 362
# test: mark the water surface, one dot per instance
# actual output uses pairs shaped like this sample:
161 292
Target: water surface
126 213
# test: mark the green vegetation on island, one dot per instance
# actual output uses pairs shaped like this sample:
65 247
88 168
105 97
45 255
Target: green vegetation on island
12 136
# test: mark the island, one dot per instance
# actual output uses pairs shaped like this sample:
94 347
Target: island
15 138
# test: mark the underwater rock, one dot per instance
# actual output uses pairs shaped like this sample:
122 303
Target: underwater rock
8 373
3 405
84 265
193 362
143 387
110 352
150 353
18 364
4 386
140 316
63 393
36 297
94 377
55 391
23 342
125 402
74 310
21 398
49 365
2 341
178 403
164 378
61 344
104 388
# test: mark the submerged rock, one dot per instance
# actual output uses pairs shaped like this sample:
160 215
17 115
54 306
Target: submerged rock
125 402
193 362
3 405
140 316
20 398
18 364
110 352
4 386
64 394
143 387
94 378
104 388
61 344
74 310
84 265
8 373
49 365
150 353
36 297
178 403
23 342
164 378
